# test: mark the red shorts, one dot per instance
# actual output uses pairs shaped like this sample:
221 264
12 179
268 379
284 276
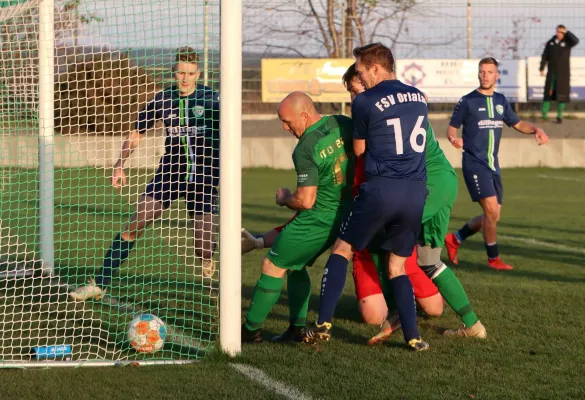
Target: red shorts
367 280
281 227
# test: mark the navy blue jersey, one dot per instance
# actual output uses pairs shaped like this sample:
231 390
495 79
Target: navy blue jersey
392 117
483 118
192 132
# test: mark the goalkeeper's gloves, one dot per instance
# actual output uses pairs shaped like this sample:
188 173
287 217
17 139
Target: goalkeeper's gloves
249 242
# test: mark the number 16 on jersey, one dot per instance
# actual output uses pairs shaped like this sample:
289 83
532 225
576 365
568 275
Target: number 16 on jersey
417 131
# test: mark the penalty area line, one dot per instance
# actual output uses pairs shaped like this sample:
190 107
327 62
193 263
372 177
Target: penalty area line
276 386
543 244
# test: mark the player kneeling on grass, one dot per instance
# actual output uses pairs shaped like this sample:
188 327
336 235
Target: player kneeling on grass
189 168
322 199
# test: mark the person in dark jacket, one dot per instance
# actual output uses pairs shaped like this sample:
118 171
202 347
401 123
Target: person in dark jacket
556 55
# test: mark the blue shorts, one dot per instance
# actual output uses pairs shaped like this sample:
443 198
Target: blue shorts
167 187
482 182
391 207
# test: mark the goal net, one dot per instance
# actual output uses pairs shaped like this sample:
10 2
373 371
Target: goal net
90 264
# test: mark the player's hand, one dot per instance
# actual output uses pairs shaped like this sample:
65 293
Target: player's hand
541 137
456 142
282 196
118 177
542 73
249 242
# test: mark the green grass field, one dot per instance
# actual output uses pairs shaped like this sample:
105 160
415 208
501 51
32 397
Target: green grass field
534 314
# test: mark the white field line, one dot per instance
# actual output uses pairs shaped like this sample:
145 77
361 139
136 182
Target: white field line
561 178
576 250
278 387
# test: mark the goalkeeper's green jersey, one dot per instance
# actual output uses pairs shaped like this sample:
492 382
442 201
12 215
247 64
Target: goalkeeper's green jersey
435 157
324 158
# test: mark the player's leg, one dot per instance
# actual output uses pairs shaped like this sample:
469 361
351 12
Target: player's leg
148 210
299 245
265 296
402 233
426 293
481 184
356 231
371 301
299 293
545 109
202 204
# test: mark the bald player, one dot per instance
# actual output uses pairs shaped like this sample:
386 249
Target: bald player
324 163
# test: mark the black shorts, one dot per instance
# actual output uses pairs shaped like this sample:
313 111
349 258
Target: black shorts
482 182
394 207
167 187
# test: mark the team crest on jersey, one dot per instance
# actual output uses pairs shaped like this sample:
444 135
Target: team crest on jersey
500 109
198 111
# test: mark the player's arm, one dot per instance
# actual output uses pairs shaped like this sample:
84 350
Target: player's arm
525 127
457 119
304 196
360 117
302 199
146 120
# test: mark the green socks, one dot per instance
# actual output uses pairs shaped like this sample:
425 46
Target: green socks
299 293
266 294
455 296
560 108
545 109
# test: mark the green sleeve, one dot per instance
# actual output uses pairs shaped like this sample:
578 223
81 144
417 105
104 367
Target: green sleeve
306 167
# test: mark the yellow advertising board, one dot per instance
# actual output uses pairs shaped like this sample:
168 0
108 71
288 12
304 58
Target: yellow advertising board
318 77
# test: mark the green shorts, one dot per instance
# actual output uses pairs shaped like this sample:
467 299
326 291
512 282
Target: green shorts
305 238
442 188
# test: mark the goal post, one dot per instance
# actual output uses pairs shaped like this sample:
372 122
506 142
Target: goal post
231 176
134 264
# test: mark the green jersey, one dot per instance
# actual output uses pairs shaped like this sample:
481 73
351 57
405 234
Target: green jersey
324 158
435 158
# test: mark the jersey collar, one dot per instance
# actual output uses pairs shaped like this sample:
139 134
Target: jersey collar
316 125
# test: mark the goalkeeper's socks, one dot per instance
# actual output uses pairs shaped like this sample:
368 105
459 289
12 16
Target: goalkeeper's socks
464 233
332 286
406 306
299 293
115 256
454 294
266 294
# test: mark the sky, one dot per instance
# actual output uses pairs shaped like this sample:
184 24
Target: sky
435 29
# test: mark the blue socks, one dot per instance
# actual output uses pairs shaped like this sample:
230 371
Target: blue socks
406 306
116 255
332 286
492 250
464 233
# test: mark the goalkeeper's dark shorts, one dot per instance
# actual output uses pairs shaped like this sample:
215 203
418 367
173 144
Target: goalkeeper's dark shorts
310 234
167 187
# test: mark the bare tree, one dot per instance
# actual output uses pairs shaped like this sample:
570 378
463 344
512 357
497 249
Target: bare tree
509 46
19 49
328 27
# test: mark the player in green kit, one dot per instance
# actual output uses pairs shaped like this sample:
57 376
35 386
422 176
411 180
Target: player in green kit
442 186
324 163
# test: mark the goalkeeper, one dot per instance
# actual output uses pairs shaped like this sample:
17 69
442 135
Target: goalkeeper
189 168
322 157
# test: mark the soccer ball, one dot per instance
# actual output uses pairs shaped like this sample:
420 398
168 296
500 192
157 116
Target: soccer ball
146 333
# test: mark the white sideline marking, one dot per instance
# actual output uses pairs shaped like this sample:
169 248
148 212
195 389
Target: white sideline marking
544 244
561 178
259 376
